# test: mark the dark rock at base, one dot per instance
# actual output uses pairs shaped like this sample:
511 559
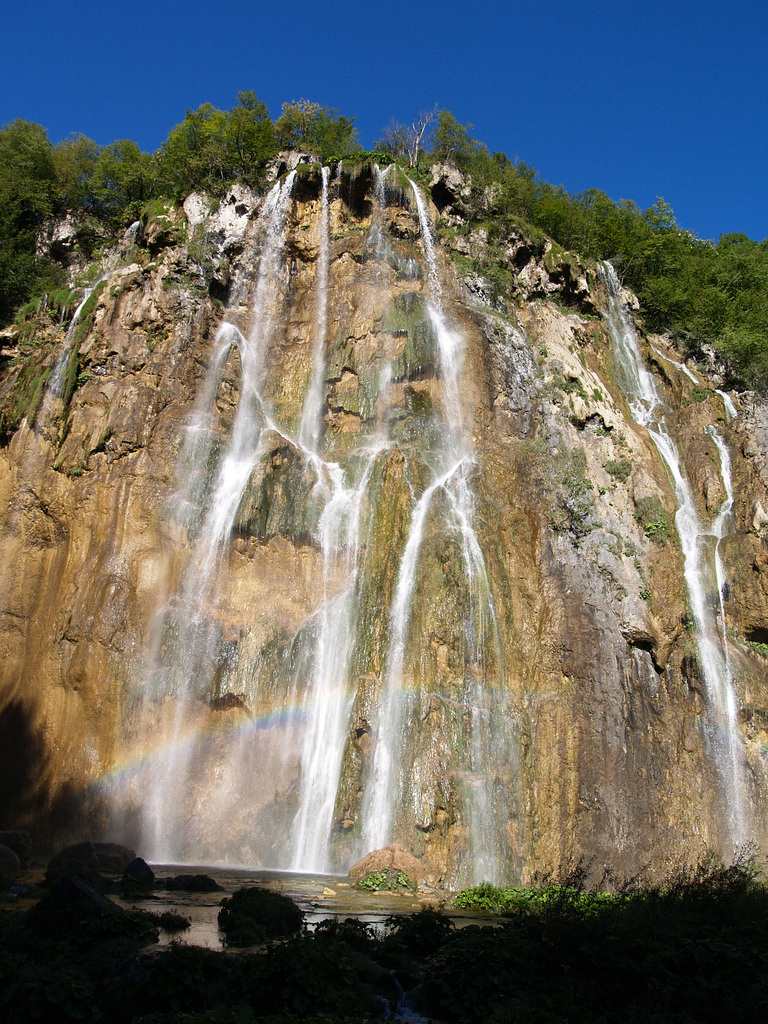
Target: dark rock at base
89 861
192 883
70 903
253 914
10 865
19 841
75 861
113 859
138 876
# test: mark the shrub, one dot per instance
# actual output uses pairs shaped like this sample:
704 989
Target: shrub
619 469
251 915
385 881
650 514
421 933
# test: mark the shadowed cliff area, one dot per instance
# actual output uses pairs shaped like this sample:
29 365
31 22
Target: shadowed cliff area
30 795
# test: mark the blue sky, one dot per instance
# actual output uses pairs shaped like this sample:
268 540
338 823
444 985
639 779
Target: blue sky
640 99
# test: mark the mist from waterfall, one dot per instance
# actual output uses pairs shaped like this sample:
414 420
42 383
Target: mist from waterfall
190 635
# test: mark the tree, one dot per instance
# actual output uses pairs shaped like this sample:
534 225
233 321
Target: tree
194 154
317 129
74 160
123 180
452 141
250 137
394 141
404 142
416 133
27 178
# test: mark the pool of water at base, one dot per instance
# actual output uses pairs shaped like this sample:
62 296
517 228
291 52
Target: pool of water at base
319 896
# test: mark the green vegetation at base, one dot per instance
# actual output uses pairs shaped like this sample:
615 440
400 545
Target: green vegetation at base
385 881
532 899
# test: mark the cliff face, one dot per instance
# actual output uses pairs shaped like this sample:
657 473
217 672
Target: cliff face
315 536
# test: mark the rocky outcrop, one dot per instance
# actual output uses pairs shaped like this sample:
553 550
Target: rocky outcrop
392 858
550 704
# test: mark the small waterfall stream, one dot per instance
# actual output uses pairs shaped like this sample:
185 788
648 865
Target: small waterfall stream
702 564
309 432
393 780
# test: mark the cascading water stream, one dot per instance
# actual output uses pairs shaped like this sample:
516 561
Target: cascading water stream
195 641
648 410
309 432
680 366
244 447
57 377
719 528
326 697
391 778
54 389
731 412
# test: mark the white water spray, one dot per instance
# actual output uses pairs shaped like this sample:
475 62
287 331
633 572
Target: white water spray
391 777
648 410
196 640
326 698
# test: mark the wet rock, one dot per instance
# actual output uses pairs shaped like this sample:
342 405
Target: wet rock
192 883
72 902
19 841
138 876
252 914
10 866
75 861
112 858
390 858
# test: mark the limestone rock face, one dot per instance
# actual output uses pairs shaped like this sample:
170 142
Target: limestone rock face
313 542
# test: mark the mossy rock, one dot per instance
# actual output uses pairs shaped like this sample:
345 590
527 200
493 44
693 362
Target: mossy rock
278 500
408 316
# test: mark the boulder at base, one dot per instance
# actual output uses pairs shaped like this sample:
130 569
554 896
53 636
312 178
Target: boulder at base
89 861
10 865
138 876
192 883
395 858
20 842
71 902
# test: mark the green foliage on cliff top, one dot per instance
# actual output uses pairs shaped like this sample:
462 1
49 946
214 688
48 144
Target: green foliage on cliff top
702 292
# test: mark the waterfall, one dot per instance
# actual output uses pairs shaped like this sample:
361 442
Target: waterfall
700 557
731 412
326 698
392 781
304 670
309 432
680 366
193 646
57 377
